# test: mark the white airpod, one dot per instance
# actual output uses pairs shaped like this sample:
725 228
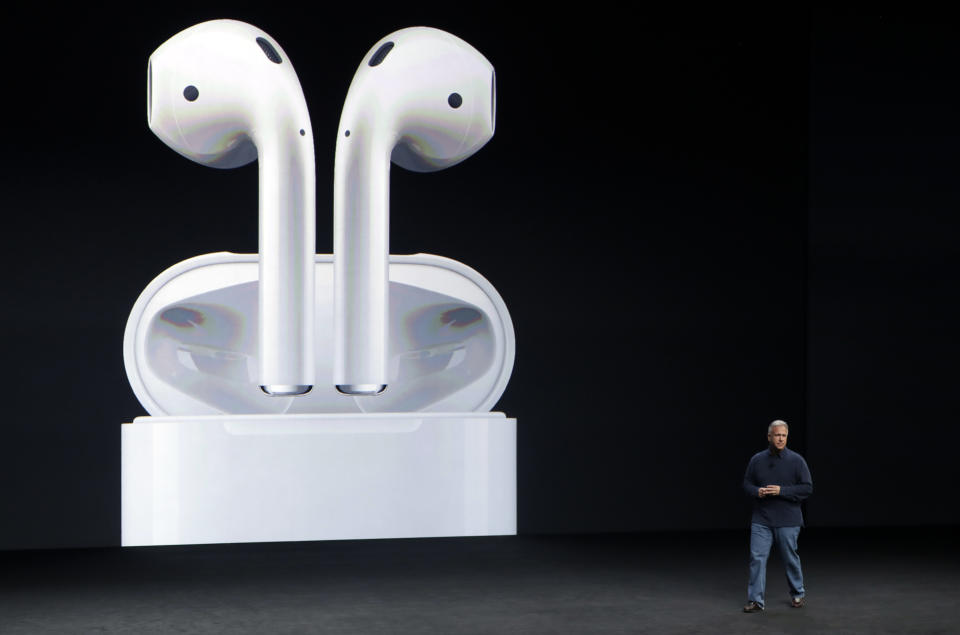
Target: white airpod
223 93
426 100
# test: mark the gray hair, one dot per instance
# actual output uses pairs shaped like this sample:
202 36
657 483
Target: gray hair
776 424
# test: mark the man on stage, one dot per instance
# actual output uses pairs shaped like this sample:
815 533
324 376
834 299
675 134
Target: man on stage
777 480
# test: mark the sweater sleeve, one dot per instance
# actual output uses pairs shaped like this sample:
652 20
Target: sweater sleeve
802 488
750 485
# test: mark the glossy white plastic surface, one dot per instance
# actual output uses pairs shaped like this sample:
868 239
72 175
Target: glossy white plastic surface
191 346
188 480
246 106
401 108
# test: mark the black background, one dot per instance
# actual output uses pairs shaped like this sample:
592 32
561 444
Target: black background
699 222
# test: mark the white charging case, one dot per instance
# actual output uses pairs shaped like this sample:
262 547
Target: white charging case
220 461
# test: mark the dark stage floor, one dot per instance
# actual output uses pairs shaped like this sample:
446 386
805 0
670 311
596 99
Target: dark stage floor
858 581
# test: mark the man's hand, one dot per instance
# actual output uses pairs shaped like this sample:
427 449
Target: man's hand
770 490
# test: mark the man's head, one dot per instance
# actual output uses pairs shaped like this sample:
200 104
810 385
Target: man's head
777 433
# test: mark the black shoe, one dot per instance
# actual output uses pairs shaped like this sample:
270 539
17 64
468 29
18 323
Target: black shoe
797 602
752 607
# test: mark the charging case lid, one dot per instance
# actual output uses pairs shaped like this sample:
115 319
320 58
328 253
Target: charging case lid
190 345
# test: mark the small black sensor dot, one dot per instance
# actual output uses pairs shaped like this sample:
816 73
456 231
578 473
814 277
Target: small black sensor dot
455 100
191 93
346 134
302 133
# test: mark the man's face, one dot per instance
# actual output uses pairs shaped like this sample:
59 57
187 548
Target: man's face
778 437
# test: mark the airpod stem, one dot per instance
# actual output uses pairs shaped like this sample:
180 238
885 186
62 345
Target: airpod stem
361 263
287 248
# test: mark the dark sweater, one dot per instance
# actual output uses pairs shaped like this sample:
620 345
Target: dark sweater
786 469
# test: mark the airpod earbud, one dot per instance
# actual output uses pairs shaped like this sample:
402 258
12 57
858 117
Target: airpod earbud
426 100
224 93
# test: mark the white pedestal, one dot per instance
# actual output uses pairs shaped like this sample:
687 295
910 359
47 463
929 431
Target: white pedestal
265 478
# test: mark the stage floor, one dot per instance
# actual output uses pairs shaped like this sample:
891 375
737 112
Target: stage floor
858 581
